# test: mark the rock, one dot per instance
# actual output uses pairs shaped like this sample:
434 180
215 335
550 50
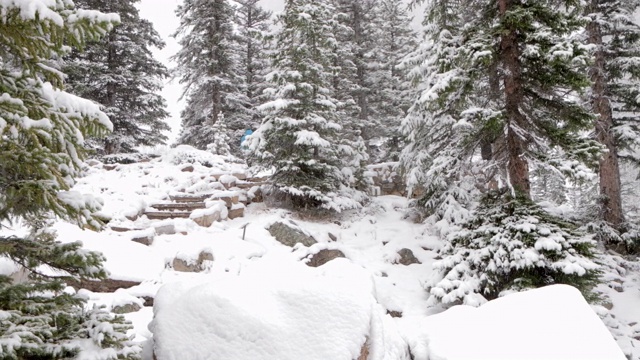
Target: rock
324 256
607 304
240 176
143 239
290 236
122 229
109 167
332 237
188 168
236 211
103 286
166 229
407 257
206 218
394 314
93 162
148 300
364 353
126 308
191 265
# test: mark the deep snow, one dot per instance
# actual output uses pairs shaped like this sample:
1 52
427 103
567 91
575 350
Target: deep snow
251 279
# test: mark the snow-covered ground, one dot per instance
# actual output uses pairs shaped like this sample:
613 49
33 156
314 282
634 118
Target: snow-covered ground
258 292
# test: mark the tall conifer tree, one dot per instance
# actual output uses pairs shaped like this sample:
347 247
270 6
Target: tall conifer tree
120 73
209 69
498 73
42 131
615 76
300 134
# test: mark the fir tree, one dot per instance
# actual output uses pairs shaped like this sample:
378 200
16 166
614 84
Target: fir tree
300 133
209 69
393 93
41 150
494 102
220 143
615 74
120 73
253 28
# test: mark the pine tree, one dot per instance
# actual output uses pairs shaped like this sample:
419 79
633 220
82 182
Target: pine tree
220 143
300 134
615 74
120 73
209 69
41 149
253 33
494 102
393 93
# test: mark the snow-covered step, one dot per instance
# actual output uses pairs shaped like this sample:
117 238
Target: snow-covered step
189 198
185 206
161 215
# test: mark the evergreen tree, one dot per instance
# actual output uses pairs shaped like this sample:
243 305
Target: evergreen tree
41 148
300 134
494 102
209 68
120 73
393 93
253 27
615 75
220 143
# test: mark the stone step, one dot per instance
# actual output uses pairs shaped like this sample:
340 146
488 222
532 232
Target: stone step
248 185
184 206
159 215
187 198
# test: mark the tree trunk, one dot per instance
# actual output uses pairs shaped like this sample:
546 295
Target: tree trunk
610 186
518 168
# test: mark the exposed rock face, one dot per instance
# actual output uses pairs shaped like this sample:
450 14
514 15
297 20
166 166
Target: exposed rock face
192 265
364 353
324 256
290 236
103 286
126 308
407 257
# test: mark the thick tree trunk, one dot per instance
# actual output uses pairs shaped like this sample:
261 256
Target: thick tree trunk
518 168
610 186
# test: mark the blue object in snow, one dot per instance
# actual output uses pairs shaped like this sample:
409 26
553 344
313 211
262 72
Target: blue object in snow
244 137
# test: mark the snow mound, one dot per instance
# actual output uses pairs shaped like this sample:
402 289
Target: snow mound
553 322
275 314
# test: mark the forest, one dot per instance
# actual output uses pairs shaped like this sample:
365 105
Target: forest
513 126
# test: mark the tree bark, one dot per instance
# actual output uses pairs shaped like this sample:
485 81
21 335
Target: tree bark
610 186
518 168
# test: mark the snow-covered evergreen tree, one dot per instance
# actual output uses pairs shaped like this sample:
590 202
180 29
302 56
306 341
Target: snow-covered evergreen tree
120 73
253 33
300 137
42 132
220 143
209 68
499 84
392 93
615 75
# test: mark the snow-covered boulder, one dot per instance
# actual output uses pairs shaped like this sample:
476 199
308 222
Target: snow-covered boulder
188 263
285 312
553 322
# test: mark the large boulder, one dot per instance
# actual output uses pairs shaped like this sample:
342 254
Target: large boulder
289 235
284 312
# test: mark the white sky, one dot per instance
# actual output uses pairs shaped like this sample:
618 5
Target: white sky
162 14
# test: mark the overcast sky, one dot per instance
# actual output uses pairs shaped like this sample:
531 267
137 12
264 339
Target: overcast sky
162 14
